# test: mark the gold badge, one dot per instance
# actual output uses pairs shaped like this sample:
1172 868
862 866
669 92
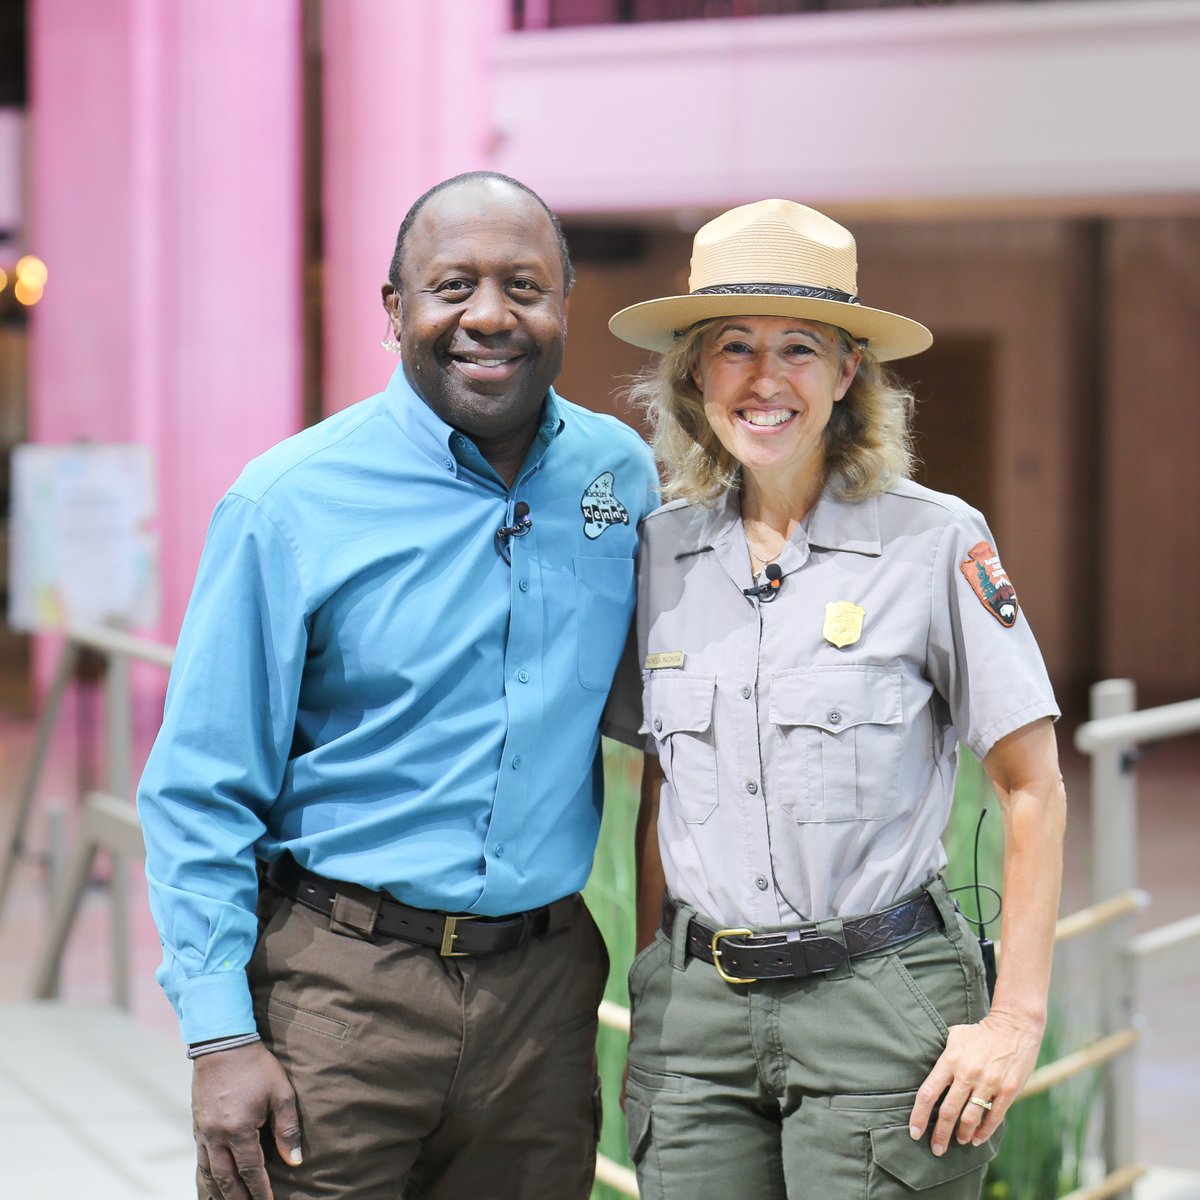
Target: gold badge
843 623
668 658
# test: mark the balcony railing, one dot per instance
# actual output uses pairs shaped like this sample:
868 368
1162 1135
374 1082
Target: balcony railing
561 14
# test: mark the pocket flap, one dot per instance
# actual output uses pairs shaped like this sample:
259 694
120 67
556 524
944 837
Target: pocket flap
677 703
914 1164
836 698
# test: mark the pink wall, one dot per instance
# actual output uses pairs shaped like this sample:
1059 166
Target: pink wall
408 102
166 201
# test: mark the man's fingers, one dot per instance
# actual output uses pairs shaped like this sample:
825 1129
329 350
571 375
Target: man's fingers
224 1178
285 1128
252 1170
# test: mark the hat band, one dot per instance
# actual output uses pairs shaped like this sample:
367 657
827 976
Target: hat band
777 289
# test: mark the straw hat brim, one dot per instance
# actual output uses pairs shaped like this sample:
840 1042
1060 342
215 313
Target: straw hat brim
655 324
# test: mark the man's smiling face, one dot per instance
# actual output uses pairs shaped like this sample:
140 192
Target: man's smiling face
482 312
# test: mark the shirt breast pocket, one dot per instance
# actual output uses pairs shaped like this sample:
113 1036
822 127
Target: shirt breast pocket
838 734
603 606
678 715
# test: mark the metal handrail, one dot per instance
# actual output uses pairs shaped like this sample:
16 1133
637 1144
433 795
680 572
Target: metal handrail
119 650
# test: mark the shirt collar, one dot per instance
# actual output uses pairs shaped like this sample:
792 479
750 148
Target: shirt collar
833 524
445 445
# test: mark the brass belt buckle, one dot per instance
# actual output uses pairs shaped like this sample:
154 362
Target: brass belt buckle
716 953
450 935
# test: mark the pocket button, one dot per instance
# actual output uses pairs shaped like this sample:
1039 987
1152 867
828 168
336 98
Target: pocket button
835 717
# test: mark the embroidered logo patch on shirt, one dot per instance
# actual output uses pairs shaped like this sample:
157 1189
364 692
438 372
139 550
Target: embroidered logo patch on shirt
982 570
843 623
601 508
664 659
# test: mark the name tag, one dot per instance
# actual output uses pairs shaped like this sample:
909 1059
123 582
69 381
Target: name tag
668 658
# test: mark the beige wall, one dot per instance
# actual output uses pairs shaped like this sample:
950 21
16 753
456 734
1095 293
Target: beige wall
1150 571
1091 432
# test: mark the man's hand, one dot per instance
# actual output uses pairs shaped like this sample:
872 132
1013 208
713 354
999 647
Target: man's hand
235 1093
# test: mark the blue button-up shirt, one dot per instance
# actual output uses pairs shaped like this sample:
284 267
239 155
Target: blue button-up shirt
363 680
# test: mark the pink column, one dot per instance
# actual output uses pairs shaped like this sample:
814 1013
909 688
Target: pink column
408 102
166 201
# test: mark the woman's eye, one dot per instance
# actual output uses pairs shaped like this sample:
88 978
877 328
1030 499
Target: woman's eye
800 350
734 348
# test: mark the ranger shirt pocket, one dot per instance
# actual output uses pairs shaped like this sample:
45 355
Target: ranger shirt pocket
678 710
837 741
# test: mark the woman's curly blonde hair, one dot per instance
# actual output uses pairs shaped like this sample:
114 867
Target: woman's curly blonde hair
868 441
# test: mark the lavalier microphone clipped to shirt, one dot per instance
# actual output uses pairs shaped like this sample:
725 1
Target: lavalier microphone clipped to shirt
767 591
522 523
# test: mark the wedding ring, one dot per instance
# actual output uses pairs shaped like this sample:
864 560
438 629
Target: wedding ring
981 1102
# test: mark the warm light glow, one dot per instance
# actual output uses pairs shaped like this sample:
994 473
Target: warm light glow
3 279
32 272
25 293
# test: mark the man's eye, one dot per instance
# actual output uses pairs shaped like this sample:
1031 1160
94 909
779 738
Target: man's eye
524 285
454 287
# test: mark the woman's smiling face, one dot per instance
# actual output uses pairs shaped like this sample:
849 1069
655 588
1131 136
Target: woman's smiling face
769 386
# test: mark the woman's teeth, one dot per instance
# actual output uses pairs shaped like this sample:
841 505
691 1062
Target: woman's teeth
767 418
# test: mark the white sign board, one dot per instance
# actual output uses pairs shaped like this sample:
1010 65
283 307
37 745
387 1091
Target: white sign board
82 546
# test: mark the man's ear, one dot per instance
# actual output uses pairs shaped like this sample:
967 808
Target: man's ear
391 303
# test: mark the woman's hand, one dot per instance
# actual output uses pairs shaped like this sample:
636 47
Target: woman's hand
991 1061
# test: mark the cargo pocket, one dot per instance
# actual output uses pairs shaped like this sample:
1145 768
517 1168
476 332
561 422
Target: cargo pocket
956 1175
678 710
838 746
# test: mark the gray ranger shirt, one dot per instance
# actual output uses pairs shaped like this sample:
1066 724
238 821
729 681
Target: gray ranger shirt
810 743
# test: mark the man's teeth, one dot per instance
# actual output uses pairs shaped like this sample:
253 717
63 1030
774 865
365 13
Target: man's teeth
483 362
767 418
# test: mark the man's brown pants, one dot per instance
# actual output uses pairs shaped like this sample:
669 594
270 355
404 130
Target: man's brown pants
432 1078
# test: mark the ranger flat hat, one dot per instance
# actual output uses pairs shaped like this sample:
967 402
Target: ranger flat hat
773 258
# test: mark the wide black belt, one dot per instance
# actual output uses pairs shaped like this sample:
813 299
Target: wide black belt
452 934
743 956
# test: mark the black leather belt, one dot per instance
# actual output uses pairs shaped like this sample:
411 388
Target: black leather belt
743 956
453 935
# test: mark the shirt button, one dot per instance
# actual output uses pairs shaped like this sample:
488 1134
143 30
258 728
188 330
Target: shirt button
658 724
746 692
761 883
499 851
523 676
448 463
516 761
751 786
524 585
835 717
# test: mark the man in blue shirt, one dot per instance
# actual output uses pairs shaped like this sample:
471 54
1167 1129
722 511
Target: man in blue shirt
386 703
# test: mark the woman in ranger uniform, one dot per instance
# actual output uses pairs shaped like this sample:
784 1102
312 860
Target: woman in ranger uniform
817 633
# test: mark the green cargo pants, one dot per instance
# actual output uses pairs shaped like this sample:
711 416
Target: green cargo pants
798 1089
